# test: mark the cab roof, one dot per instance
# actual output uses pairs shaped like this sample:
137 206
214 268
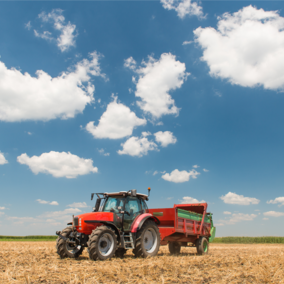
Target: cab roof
121 193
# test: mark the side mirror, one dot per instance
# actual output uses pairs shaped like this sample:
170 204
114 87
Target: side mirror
133 192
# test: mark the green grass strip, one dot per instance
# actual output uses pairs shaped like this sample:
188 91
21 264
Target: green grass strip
28 238
250 240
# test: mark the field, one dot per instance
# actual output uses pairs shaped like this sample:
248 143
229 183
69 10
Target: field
37 262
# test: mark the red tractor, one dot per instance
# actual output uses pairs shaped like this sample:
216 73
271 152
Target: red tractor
123 221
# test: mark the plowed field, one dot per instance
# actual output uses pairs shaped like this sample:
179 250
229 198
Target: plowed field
37 262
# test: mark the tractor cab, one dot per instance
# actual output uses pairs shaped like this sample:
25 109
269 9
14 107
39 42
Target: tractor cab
125 206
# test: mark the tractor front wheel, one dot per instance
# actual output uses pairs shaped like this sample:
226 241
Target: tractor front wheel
102 243
174 248
202 246
148 240
66 249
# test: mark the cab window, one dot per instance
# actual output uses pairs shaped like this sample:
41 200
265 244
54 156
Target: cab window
144 206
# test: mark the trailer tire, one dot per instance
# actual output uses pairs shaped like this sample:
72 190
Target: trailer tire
202 246
174 247
147 240
102 243
64 249
120 252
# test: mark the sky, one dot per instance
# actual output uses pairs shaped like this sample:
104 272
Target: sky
181 96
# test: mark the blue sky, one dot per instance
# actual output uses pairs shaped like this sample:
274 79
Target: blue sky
179 96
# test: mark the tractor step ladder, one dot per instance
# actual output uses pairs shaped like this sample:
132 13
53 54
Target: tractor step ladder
128 241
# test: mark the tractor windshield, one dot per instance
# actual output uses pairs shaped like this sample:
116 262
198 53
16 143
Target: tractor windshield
113 203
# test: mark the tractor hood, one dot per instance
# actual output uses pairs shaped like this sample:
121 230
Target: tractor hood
96 216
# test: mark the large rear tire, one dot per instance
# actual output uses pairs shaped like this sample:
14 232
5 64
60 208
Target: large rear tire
147 240
65 249
102 243
202 246
174 248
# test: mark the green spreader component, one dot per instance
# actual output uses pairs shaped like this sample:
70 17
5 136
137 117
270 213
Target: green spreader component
212 233
192 216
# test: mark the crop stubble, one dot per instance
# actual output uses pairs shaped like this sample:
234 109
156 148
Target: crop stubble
37 262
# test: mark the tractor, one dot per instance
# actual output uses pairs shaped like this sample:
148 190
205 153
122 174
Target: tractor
120 221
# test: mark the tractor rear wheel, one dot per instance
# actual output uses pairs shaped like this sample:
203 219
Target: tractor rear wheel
147 240
174 248
202 246
102 243
120 252
64 248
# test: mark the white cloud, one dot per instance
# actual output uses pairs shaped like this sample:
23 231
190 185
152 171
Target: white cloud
117 121
180 176
227 213
169 198
183 7
247 48
2 208
206 171
195 166
155 172
136 146
66 39
102 151
28 25
61 215
242 217
273 214
156 79
265 218
279 200
130 63
165 138
233 198
58 164
187 42
47 202
78 205
23 97
2 159
219 224
189 200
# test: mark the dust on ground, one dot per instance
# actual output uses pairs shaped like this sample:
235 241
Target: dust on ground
37 262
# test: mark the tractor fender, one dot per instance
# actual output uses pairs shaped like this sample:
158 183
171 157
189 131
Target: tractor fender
140 220
109 224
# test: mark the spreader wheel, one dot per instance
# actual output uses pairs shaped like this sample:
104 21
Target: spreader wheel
66 249
102 243
148 240
174 248
120 252
202 246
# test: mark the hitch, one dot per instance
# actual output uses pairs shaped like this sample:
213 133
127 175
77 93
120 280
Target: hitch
58 233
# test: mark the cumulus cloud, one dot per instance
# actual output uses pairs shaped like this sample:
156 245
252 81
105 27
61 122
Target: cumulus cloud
23 97
61 215
247 48
58 164
273 214
165 138
195 166
2 208
180 176
279 200
78 205
206 171
233 198
130 63
138 147
67 35
2 159
183 7
156 79
117 121
227 213
47 202
188 200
